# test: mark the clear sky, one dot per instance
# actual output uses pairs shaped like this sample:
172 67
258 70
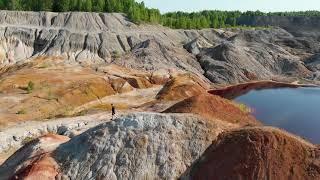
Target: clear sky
242 5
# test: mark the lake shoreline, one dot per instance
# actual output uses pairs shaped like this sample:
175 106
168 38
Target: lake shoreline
233 91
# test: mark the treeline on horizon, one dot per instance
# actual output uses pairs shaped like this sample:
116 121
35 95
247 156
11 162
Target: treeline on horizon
139 13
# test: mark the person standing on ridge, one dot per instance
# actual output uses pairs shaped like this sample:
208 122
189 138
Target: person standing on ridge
113 111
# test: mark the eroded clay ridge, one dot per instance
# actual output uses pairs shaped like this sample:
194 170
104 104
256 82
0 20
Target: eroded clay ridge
288 49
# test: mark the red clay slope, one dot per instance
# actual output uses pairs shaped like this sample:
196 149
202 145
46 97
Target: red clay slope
34 161
213 107
258 153
181 87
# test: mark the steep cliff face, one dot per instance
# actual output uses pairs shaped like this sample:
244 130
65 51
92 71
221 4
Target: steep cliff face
97 37
75 35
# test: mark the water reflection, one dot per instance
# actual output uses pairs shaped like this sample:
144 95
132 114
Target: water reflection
295 110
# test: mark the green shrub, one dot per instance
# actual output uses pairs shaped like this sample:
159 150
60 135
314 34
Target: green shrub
116 54
30 87
26 140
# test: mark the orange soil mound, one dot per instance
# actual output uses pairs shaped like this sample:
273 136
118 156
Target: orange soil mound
230 92
213 107
59 88
55 92
258 153
181 87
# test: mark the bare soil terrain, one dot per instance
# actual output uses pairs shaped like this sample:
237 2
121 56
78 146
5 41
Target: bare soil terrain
60 73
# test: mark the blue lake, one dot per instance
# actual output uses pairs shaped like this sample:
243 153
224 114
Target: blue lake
295 110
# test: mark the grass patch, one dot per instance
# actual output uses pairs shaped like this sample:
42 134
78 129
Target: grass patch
51 116
51 96
244 108
107 107
22 111
116 54
67 112
244 27
44 66
29 88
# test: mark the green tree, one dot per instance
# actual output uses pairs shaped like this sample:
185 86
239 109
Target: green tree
98 5
139 13
46 5
87 5
215 22
61 5
14 5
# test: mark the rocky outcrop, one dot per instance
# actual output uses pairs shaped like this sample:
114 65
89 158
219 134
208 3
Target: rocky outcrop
136 146
139 146
197 45
258 153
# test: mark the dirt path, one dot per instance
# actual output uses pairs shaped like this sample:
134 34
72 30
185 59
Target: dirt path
128 100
